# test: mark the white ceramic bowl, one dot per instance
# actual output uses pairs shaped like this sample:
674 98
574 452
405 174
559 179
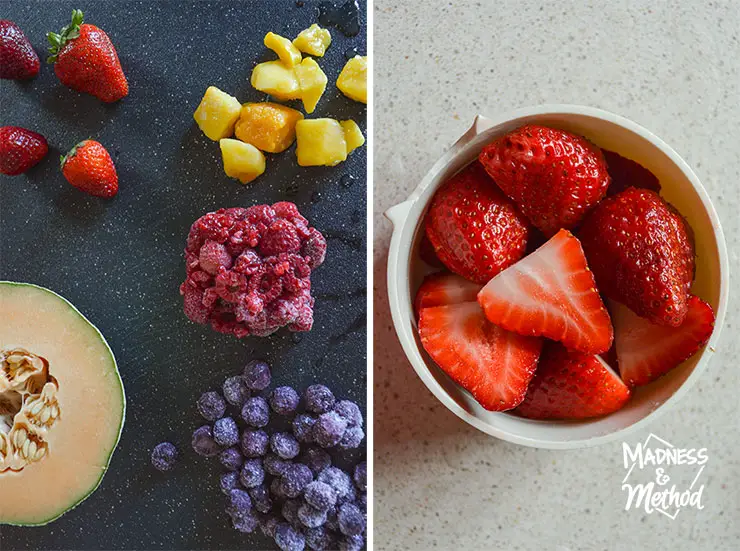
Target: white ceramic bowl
680 186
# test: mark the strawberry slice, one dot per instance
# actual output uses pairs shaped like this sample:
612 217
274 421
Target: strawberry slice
572 385
444 288
494 365
646 351
551 293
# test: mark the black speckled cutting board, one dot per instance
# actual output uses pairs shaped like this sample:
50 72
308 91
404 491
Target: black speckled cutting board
120 261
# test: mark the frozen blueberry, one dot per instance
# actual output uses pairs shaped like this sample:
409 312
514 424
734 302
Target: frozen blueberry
350 496
268 523
362 502
351 438
239 502
257 375
284 445
252 473
319 399
274 465
229 481
236 391
360 476
337 479
246 522
289 510
319 539
276 489
310 516
329 429
255 443
332 523
211 406
351 520
349 411
225 431
295 478
164 456
288 538
231 458
284 400
303 427
316 459
320 495
260 498
256 412
203 442
351 543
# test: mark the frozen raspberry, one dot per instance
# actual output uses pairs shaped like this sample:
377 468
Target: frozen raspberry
248 271
329 429
231 459
211 406
203 442
225 431
303 427
319 399
260 498
351 520
255 443
252 473
337 479
351 543
257 375
256 412
164 456
360 476
274 465
316 459
350 411
295 478
352 438
284 445
310 516
236 391
229 481
288 538
320 495
284 400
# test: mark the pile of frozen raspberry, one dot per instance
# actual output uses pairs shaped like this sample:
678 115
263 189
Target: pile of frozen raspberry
249 270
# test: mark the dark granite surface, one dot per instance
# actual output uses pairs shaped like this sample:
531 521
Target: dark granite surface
120 261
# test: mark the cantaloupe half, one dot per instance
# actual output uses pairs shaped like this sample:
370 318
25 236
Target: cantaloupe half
62 405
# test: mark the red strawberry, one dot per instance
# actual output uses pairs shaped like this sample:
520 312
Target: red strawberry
572 385
20 149
494 365
444 288
18 59
86 61
553 176
641 254
475 229
88 167
551 293
646 351
628 173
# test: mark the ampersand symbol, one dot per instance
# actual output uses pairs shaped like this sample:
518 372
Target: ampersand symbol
661 478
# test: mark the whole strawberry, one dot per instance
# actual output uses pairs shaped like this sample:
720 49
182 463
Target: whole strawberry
476 231
86 61
18 59
641 254
88 167
553 176
20 149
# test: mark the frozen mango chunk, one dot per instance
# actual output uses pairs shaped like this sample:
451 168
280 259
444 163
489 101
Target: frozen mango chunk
217 113
352 135
241 160
352 80
313 41
312 82
277 79
284 48
267 126
326 141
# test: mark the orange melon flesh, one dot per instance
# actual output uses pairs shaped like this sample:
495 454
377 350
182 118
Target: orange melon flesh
91 401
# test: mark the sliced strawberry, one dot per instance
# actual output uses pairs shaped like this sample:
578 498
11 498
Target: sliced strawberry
445 288
551 293
572 385
628 173
494 365
646 351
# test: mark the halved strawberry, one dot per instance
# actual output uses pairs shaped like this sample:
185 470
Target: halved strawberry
551 293
444 288
572 385
494 365
628 173
646 351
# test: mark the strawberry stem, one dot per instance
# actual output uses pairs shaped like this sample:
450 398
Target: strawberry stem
69 32
71 153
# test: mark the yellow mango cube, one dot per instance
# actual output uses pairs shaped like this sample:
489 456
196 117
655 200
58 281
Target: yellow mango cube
352 135
267 126
320 142
217 113
352 80
284 48
277 79
312 82
241 160
313 41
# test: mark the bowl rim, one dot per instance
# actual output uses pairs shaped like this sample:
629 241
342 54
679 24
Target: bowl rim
400 252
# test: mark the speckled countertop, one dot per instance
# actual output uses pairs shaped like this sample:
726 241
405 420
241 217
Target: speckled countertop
674 69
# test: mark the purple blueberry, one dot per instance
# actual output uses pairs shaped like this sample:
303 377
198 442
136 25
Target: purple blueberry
284 400
274 465
337 479
349 411
351 520
362 502
332 523
288 538
164 456
320 495
255 443
303 427
231 458
319 399
225 431
351 543
316 459
360 476
310 516
211 406
319 539
239 502
276 489
329 429
257 375
203 442
289 510
235 391
295 478
284 445
245 523
352 438
260 498
252 473
268 524
256 412
229 481
350 496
